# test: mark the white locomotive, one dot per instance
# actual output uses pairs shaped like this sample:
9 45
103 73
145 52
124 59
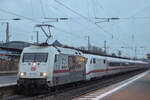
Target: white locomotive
49 66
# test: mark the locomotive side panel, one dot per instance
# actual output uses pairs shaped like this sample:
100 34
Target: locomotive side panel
76 68
61 71
68 69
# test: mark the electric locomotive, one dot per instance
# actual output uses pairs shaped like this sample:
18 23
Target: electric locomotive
49 66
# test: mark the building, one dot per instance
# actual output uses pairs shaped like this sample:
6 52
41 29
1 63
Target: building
15 44
10 54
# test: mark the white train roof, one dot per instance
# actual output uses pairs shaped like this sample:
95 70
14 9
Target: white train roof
90 56
69 51
111 59
34 48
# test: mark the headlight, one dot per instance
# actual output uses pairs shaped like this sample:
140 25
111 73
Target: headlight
34 63
22 74
43 74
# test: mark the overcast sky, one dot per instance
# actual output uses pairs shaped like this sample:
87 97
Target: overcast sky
132 30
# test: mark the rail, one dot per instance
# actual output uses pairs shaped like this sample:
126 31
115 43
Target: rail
7 89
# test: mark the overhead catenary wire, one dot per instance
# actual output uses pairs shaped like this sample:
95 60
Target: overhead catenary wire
32 10
5 11
42 8
64 31
94 8
15 14
132 16
66 14
60 10
55 8
99 4
28 17
82 16
86 19
70 33
86 27
87 1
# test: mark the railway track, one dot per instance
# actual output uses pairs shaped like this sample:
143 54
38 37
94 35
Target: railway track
71 91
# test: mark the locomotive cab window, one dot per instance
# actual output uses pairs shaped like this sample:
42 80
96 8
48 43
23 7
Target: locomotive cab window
104 61
28 57
41 57
35 57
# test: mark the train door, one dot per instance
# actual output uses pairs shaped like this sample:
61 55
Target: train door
106 66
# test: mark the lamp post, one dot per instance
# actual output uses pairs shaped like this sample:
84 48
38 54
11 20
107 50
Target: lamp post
105 20
135 49
37 36
7 27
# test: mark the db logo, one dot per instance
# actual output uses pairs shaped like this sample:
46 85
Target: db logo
33 68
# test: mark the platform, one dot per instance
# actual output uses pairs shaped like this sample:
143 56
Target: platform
135 88
138 90
7 80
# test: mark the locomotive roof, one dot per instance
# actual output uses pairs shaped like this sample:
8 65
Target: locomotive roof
34 48
69 51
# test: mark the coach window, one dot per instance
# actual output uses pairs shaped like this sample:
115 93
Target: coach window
114 64
55 59
79 53
91 61
94 60
125 64
132 64
104 61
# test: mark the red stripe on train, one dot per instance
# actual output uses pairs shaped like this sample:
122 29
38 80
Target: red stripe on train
60 71
109 69
95 71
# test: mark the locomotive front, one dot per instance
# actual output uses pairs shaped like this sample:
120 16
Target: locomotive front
34 68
